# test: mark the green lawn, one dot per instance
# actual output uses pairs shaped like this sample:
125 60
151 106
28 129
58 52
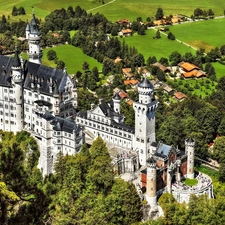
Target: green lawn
118 9
72 56
205 34
43 7
131 9
190 182
162 47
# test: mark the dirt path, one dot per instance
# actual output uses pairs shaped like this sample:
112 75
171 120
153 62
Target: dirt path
100 6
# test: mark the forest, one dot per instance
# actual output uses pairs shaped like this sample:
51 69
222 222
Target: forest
83 189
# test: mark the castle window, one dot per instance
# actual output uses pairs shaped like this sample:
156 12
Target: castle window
6 106
6 114
129 136
141 151
7 121
30 94
12 115
11 91
5 90
58 141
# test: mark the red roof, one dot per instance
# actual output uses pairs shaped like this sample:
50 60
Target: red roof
122 94
179 95
188 66
130 82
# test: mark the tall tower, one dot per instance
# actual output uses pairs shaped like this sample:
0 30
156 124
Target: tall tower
34 38
144 120
116 102
17 78
190 151
151 183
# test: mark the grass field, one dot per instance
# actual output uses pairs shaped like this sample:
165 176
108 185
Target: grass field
156 47
72 56
118 9
43 8
205 34
131 9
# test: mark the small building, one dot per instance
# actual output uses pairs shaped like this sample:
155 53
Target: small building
125 32
133 83
127 73
168 90
179 96
162 67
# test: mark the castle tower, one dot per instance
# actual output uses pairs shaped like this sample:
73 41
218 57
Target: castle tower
151 183
190 151
116 102
34 38
17 78
144 120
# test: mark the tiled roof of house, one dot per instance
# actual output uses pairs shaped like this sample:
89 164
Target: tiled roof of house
162 67
130 82
179 95
188 66
194 73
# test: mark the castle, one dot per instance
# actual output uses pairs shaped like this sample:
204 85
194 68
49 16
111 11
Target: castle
43 100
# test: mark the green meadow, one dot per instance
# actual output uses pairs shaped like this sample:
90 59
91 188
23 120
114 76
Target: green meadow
117 9
73 58
205 34
131 9
163 47
43 7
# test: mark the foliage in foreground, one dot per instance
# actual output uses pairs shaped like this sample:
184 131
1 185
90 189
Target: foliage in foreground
89 194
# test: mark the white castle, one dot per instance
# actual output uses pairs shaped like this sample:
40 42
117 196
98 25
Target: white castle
42 100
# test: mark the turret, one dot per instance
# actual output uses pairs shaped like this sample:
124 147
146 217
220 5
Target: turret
34 38
17 77
145 90
27 31
144 120
151 183
116 103
190 151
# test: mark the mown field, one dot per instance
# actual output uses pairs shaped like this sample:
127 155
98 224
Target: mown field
131 9
73 58
205 34
162 47
118 9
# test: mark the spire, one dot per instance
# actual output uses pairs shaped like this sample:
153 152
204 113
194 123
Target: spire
16 60
33 24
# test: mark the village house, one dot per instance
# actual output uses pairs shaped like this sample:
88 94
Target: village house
190 70
125 32
179 96
162 67
127 73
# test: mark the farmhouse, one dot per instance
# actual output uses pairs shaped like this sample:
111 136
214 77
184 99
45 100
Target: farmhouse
162 67
125 32
190 70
